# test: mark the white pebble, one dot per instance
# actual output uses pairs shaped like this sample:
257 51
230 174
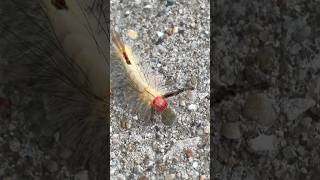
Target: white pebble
127 12
160 34
175 29
202 96
192 107
206 130
112 171
121 177
137 2
149 6
195 165
115 139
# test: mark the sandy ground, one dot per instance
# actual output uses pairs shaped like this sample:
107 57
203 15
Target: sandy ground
173 42
265 103
155 151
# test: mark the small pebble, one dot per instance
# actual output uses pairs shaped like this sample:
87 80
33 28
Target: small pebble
52 166
115 139
192 107
160 34
12 127
56 137
261 108
304 170
132 34
138 169
149 6
172 30
113 162
195 165
188 152
175 29
82 175
184 176
263 143
170 2
162 50
137 2
65 153
112 171
306 122
280 133
206 130
191 95
170 177
14 146
231 130
295 107
127 13
125 124
202 177
121 177
289 152
183 103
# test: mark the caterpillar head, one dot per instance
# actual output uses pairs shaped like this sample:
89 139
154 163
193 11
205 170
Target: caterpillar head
159 104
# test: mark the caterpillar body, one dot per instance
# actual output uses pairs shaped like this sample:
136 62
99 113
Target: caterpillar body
154 100
66 66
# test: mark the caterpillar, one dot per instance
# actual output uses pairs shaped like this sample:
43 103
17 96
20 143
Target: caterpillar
57 52
66 67
153 99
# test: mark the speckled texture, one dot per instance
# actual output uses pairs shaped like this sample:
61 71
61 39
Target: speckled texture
35 141
156 151
265 103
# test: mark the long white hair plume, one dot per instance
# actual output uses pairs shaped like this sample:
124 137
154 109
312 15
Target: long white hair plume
57 50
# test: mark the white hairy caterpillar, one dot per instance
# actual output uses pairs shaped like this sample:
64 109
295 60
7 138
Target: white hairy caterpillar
67 65
153 100
75 77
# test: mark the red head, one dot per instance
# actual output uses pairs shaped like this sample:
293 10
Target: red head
159 103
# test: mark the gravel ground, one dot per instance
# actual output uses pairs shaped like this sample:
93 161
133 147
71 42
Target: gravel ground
29 150
173 39
265 103
176 47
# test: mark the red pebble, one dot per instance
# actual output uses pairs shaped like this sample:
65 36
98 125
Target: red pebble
188 152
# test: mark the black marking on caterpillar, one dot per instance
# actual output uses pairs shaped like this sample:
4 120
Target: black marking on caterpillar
126 58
